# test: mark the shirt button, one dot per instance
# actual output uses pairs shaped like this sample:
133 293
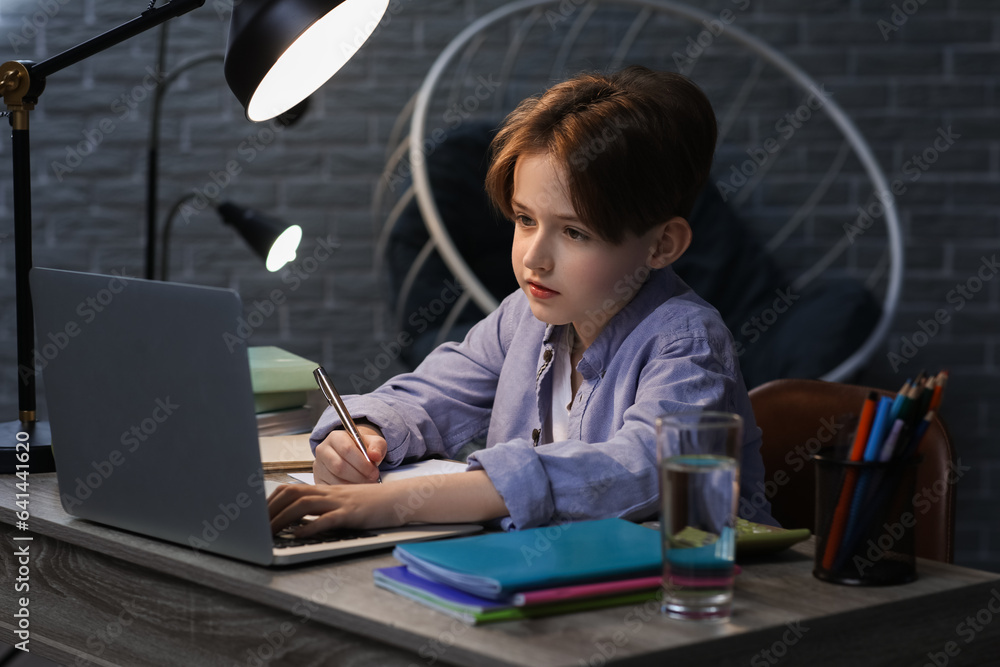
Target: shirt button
547 356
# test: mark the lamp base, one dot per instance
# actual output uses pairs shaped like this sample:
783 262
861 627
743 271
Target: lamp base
39 450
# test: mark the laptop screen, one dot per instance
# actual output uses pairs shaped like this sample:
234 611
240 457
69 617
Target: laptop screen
151 409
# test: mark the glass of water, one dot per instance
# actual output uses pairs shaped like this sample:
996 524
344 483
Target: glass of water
699 463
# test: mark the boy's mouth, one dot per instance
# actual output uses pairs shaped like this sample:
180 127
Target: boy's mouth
540 291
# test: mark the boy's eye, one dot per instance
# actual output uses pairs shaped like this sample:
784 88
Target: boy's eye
576 234
523 220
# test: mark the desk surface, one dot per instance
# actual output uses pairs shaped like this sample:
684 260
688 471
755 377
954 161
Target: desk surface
103 596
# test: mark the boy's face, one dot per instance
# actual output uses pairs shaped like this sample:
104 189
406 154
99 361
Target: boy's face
568 273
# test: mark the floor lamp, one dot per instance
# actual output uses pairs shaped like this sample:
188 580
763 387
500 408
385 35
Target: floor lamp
272 239
279 52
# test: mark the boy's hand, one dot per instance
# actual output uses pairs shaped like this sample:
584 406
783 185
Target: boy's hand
336 507
457 498
339 461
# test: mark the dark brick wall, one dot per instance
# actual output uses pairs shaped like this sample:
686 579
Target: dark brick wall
902 70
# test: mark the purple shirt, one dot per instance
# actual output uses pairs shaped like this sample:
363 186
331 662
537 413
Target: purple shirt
666 351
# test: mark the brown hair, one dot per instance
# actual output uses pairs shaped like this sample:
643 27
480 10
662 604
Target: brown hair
637 146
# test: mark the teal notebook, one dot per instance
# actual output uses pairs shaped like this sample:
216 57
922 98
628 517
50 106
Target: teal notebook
497 565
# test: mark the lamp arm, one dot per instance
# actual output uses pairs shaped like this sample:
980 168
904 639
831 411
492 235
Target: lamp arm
168 79
153 158
165 238
148 19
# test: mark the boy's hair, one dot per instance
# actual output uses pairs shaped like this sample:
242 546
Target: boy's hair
637 146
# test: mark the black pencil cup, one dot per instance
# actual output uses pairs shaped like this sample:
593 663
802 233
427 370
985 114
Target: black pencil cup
865 521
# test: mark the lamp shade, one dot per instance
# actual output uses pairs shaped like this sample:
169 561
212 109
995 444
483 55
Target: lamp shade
274 241
281 51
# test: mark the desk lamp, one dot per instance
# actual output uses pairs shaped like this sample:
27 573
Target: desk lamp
279 52
273 240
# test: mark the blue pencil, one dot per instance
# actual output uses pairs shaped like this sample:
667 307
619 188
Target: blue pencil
875 440
918 435
879 428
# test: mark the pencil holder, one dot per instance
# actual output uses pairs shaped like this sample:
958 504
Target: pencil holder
865 521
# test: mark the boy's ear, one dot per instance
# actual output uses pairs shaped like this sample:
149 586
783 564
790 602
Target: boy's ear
672 240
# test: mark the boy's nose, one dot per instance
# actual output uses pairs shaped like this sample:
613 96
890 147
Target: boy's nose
538 256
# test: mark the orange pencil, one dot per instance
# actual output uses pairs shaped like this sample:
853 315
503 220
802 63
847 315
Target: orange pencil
839 522
942 379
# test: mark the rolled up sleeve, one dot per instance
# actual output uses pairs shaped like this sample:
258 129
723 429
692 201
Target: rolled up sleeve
519 476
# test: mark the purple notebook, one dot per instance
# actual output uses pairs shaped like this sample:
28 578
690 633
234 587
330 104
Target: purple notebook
401 575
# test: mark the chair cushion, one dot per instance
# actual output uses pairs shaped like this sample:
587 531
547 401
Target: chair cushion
778 332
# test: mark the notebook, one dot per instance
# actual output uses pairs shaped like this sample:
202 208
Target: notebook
500 565
475 610
152 416
286 452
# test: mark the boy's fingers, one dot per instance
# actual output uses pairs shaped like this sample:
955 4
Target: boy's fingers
295 502
358 470
335 470
376 449
338 461
281 498
363 471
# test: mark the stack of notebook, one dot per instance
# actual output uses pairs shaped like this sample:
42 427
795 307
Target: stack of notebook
530 573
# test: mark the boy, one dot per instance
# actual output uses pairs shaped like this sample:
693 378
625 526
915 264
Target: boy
568 375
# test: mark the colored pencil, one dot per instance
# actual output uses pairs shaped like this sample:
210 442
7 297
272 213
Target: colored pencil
926 395
892 440
880 426
897 404
894 433
942 379
839 521
918 435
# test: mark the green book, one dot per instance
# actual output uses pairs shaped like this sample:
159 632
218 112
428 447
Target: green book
280 379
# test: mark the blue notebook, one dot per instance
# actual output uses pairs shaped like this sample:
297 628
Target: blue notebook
498 565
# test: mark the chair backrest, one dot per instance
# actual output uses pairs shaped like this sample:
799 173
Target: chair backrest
789 160
800 416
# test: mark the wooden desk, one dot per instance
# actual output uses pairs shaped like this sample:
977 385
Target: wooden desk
102 596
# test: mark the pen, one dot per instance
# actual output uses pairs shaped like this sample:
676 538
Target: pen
326 386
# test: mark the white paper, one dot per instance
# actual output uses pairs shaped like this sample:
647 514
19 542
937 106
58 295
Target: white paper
418 469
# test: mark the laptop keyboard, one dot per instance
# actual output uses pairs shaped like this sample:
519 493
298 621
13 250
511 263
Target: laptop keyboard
286 538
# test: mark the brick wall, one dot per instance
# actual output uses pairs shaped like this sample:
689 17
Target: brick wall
902 70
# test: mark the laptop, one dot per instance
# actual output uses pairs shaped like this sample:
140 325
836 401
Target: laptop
152 416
